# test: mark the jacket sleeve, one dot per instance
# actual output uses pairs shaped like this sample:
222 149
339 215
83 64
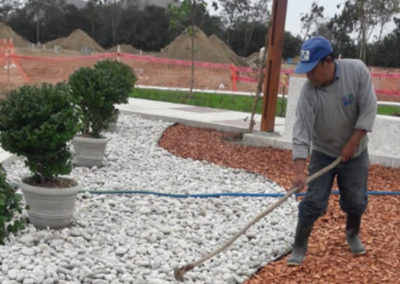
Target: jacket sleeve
366 100
303 125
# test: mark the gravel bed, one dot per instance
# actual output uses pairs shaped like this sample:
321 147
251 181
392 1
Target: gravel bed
134 238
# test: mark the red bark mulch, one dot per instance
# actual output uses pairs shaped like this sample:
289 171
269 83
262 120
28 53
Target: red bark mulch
328 258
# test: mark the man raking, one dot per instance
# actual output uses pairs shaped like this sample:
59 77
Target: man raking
335 110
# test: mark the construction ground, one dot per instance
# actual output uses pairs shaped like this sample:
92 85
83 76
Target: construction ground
328 260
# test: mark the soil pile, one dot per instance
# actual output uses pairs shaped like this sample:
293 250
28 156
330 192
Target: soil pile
7 32
78 40
206 49
124 48
219 44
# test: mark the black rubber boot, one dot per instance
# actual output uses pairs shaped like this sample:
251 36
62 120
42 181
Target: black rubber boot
303 231
352 230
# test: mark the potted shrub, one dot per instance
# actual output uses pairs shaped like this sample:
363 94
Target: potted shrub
10 208
36 123
97 90
121 84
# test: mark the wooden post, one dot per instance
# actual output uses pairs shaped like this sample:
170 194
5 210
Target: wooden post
273 65
233 77
8 67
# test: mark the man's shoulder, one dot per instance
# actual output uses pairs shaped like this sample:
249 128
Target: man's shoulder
351 62
307 87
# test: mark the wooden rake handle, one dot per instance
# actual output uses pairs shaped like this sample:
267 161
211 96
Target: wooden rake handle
180 271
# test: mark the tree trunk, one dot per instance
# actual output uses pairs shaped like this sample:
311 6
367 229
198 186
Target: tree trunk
363 27
38 31
248 35
192 51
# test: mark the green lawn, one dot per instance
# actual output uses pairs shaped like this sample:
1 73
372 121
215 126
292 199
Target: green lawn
230 102
389 110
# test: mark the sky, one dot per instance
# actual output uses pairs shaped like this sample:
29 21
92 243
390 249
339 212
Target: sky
297 8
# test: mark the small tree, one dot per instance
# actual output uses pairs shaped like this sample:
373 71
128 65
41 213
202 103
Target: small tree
37 123
314 18
182 13
97 90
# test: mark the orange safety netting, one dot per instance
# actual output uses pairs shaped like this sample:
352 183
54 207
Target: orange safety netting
16 70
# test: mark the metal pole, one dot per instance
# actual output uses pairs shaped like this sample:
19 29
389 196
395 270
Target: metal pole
273 65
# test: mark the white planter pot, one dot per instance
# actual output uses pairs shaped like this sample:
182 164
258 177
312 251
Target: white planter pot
50 207
89 152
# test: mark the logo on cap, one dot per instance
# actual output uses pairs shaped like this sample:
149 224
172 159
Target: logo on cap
305 55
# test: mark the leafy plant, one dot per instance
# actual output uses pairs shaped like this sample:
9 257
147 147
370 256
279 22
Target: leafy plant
118 79
37 122
97 89
10 205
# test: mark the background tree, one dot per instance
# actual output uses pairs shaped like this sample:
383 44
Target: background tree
91 14
362 17
247 32
386 11
149 28
255 13
257 40
291 45
311 20
231 12
8 7
387 52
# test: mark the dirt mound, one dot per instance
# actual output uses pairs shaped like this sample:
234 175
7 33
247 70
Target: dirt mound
220 44
77 40
124 48
206 49
7 32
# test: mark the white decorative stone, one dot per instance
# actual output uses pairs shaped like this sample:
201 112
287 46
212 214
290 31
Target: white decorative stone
141 238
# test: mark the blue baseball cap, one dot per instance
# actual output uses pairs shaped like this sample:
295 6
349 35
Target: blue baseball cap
312 51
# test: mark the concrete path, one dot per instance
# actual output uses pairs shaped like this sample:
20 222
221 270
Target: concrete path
224 120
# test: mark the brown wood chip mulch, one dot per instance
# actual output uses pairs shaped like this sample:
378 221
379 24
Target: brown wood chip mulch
328 259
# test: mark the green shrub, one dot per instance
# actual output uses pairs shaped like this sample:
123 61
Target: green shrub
37 123
10 205
119 79
97 90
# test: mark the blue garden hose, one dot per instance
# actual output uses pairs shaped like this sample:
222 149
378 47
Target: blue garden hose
210 195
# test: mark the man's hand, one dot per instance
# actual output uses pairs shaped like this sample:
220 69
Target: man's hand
351 146
300 177
348 151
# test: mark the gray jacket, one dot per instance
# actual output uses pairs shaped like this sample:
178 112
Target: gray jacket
327 117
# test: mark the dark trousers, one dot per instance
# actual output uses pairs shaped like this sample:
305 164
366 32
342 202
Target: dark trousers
352 179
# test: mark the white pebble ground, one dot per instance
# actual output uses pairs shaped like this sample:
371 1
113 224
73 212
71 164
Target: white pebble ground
132 238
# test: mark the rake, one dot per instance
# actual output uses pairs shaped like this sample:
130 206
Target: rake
179 272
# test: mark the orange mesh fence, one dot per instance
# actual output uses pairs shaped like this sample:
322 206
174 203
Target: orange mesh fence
387 85
16 70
